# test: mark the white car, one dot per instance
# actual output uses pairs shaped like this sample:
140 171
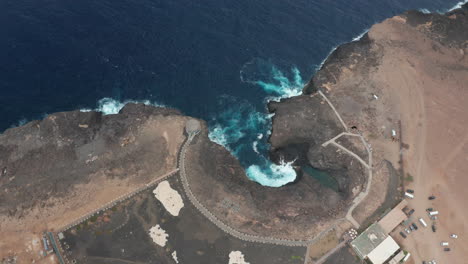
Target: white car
453 236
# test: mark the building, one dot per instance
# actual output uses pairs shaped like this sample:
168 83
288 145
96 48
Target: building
397 258
375 244
383 251
391 220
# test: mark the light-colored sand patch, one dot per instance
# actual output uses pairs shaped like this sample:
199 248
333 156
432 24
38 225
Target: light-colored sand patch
236 257
169 197
174 256
158 235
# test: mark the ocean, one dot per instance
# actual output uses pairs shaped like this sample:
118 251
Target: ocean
221 61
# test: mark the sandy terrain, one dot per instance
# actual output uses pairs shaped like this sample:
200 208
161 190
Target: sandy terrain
174 257
170 198
236 257
417 65
432 93
158 235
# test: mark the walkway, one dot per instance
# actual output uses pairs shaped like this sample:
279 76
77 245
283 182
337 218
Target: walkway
360 197
277 241
331 252
114 202
226 228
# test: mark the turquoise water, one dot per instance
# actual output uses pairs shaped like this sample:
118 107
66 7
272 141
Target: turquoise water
324 178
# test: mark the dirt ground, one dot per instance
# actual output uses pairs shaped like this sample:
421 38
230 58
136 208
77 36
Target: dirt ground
433 103
76 172
322 246
125 239
417 66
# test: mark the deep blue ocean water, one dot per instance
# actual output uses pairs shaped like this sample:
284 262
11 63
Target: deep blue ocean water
213 59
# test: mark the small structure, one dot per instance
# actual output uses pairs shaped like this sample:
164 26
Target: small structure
192 126
60 236
397 258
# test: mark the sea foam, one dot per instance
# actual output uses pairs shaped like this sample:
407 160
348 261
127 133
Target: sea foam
458 5
110 106
240 127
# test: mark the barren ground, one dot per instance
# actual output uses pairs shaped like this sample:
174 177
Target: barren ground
417 65
69 164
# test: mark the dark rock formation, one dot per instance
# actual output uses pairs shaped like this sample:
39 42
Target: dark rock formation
46 159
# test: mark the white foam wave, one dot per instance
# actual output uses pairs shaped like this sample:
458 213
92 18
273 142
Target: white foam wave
358 37
110 106
273 175
458 5
254 147
276 83
424 10
222 136
326 58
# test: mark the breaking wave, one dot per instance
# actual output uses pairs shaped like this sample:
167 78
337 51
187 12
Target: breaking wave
277 84
110 106
272 175
458 5
358 37
424 10
243 130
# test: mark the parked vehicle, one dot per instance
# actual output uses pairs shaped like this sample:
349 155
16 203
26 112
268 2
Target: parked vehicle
406 257
434 228
434 217
433 213
407 230
411 212
454 236
446 249
422 222
415 226
444 243
403 234
409 195
410 191
430 209
432 197
411 227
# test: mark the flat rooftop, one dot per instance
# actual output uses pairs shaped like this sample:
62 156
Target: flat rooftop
368 240
384 251
393 218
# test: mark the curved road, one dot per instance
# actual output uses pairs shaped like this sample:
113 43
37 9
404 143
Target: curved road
227 229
